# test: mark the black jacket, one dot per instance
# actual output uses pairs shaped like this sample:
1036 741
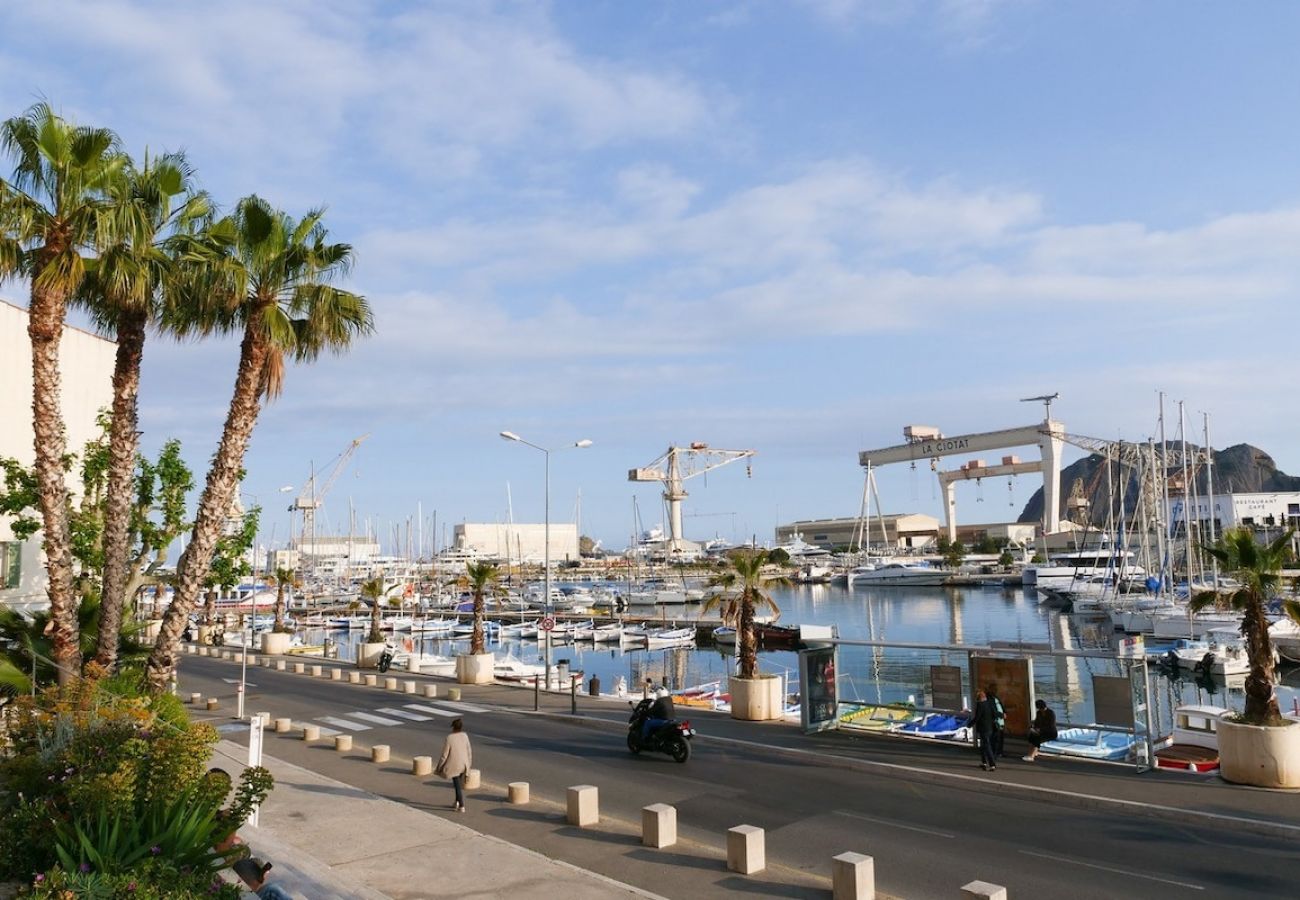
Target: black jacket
1045 724
985 717
662 708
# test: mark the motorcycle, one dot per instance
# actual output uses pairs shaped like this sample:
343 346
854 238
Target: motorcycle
386 658
672 738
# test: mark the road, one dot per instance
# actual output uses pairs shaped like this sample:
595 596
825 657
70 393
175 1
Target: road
927 839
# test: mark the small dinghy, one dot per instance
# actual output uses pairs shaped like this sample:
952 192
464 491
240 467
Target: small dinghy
1091 742
937 727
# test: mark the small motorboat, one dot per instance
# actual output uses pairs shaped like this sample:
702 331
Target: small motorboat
878 718
724 634
936 726
1195 746
1092 742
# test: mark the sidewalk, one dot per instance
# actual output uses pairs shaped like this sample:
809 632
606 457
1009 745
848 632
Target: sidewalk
369 848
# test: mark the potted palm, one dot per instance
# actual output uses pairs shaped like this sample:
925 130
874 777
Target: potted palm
373 647
277 639
754 697
476 667
1258 746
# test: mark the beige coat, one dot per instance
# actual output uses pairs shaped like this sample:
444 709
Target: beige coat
456 757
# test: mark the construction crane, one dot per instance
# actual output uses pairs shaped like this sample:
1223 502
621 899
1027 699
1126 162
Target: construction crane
311 499
1046 400
674 468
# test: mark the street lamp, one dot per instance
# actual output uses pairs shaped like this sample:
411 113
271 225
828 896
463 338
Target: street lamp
546 533
248 636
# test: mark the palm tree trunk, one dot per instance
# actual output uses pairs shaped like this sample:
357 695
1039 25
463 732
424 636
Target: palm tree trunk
214 505
279 607
476 636
45 318
123 441
748 644
376 619
1261 698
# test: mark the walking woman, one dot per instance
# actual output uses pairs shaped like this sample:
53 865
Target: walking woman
455 761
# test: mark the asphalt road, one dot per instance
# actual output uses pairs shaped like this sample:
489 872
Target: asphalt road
927 839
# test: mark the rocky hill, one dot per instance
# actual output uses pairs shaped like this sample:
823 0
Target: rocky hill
1240 468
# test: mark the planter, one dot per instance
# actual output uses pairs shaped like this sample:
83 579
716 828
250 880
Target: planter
368 655
1257 755
275 643
205 635
756 699
475 668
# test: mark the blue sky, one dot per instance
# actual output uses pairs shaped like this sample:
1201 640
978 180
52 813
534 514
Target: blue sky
788 226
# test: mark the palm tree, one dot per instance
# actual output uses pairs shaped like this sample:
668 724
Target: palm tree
123 291
56 207
480 578
283 578
28 647
273 285
373 590
1258 571
742 591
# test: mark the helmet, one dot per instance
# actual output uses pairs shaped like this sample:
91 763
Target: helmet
661 693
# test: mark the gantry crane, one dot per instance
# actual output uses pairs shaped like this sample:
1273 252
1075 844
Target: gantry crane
677 465
310 499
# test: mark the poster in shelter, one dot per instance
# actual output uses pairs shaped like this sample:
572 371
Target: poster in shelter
1013 679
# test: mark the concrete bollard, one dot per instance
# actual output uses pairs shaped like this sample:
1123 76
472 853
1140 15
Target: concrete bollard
473 780
213 703
279 665
196 699
430 690
336 674
354 678
422 765
252 660
659 825
453 693
311 732
300 668
984 890
371 680
408 687
265 717
315 671
583 805
203 650
746 851
343 743
517 792
853 877
268 662
379 753
282 726
390 684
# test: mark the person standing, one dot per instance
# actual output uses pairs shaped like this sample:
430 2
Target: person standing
983 725
999 720
1043 729
455 761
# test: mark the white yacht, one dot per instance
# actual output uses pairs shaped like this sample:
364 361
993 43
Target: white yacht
1064 571
898 574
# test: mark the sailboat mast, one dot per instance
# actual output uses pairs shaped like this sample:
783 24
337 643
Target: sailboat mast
1209 490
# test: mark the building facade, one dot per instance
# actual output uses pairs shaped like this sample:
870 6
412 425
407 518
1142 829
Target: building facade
518 542
86 367
1256 510
905 531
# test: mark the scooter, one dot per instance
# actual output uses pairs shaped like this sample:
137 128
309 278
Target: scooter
672 738
386 658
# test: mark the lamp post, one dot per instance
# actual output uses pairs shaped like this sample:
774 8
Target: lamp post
546 532
252 616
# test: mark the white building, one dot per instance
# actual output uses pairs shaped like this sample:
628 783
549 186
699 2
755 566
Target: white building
86 366
1261 510
906 531
520 542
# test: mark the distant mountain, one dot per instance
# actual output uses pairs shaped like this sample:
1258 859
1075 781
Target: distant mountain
1240 468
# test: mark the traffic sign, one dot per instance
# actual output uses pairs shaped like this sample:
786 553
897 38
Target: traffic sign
547 623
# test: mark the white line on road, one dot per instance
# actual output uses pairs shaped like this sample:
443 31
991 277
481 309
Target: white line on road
432 709
343 723
236 681
466 707
893 824
1127 872
378 720
402 714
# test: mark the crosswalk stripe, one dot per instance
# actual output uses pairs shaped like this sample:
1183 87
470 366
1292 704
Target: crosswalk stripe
343 723
378 720
466 707
401 713
432 709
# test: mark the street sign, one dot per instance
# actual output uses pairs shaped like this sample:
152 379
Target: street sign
547 623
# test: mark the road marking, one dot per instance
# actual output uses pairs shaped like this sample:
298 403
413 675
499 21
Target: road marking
431 709
236 681
466 707
378 720
324 732
232 726
343 723
402 714
893 824
1126 872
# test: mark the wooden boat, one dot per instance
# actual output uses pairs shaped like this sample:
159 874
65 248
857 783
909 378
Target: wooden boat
1195 746
878 718
776 637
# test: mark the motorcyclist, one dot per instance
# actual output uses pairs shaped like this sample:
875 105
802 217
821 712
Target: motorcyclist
660 714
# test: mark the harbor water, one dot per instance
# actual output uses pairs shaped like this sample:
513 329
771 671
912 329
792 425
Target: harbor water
975 616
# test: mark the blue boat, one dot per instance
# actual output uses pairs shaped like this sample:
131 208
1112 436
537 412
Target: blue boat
937 726
1092 742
